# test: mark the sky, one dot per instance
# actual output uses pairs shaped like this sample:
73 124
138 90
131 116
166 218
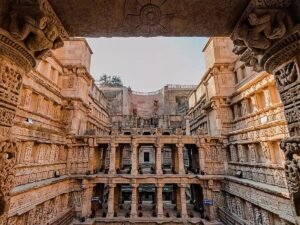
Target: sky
147 64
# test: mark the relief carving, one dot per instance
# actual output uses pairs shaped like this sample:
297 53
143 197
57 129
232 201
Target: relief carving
155 17
8 151
264 25
287 74
292 152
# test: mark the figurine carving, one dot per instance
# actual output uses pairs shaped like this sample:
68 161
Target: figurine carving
287 74
259 32
39 35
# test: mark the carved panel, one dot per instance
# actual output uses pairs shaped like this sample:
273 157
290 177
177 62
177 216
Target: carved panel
8 151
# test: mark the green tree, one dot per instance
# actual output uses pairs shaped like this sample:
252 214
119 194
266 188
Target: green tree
110 81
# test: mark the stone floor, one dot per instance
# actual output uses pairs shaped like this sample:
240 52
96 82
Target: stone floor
147 209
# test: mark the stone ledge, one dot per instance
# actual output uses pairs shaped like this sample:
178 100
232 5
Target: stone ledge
98 221
31 186
278 191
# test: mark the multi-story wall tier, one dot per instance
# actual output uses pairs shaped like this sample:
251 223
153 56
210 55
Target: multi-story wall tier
250 114
50 109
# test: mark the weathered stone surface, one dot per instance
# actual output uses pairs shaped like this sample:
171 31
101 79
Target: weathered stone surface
133 18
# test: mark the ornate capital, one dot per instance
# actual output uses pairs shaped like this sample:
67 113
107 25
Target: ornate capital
267 34
28 30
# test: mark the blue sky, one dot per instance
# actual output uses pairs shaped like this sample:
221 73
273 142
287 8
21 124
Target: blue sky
147 64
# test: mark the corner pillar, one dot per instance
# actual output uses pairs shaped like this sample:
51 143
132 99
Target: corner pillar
87 200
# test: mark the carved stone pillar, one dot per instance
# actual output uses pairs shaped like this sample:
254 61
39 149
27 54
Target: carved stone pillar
187 125
159 200
28 30
134 159
111 201
180 158
134 200
69 158
158 159
241 153
267 37
252 153
86 200
201 155
112 158
233 153
92 160
182 188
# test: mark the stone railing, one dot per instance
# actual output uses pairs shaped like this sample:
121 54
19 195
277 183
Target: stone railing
37 172
273 174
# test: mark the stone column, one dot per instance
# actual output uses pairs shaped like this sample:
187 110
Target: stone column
103 156
92 160
86 200
158 161
201 158
277 53
210 208
159 200
134 200
69 158
187 125
111 201
20 46
183 208
180 158
134 159
112 158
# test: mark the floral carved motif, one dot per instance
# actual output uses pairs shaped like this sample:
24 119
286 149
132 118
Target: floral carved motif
154 17
10 85
8 151
291 150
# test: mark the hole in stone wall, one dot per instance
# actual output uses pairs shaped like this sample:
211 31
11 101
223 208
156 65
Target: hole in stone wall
297 203
2 203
